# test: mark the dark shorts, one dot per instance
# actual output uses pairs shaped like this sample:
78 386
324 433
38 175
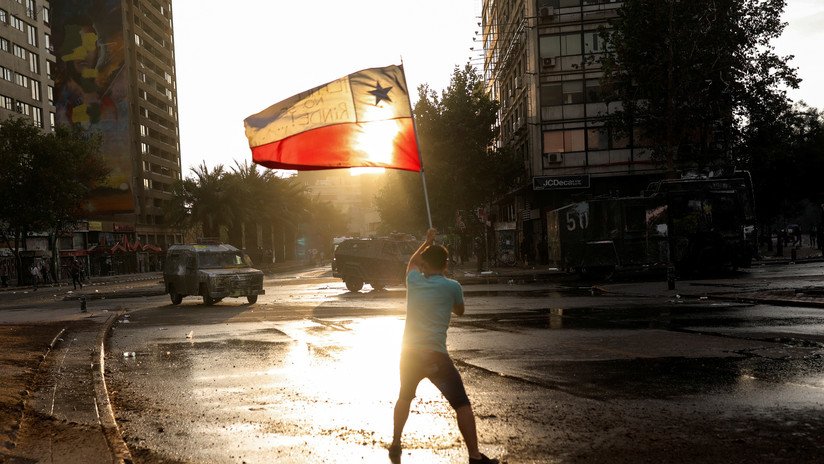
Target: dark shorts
439 369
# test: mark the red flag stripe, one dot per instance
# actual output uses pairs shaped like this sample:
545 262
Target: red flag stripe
331 147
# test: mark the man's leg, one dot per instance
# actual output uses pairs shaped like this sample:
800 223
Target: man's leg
401 414
466 424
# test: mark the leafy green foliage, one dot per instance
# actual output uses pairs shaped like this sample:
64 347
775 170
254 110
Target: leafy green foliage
693 74
46 177
463 170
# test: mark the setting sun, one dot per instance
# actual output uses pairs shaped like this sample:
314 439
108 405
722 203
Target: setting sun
377 141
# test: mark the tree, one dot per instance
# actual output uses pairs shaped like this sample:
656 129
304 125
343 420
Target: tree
46 178
234 204
206 200
463 169
691 75
786 157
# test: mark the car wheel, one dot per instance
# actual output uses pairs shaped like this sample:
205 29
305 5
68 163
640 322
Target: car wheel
354 285
177 298
252 299
378 285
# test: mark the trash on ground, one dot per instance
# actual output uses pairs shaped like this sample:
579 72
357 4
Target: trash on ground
128 354
190 334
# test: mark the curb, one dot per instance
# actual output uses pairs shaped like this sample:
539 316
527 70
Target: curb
117 446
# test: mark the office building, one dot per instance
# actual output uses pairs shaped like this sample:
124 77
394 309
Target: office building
540 62
114 72
26 60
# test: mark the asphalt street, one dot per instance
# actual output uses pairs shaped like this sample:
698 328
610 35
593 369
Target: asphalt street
719 370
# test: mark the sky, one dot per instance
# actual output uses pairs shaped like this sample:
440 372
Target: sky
233 62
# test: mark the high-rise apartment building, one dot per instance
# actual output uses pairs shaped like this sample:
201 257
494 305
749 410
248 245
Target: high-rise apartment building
541 63
26 61
114 72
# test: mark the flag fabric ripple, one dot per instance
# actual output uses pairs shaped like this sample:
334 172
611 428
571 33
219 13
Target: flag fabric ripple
360 120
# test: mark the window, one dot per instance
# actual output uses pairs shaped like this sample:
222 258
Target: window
562 93
24 108
18 23
551 94
35 90
52 120
593 43
20 52
573 92
598 139
144 148
4 16
4 44
7 74
46 16
31 9
31 33
50 67
593 91
144 131
49 46
564 141
34 63
50 94
6 102
557 45
21 80
37 117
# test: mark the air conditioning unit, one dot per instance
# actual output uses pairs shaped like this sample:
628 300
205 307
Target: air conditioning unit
547 12
549 62
519 82
554 158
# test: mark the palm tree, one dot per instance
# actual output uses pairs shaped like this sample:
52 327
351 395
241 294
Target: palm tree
207 199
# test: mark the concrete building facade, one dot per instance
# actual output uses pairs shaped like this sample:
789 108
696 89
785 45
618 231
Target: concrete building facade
541 62
26 62
115 73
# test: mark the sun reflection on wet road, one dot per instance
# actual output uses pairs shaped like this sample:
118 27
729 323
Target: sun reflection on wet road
321 389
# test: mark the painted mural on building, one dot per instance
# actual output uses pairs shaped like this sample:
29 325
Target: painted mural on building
91 89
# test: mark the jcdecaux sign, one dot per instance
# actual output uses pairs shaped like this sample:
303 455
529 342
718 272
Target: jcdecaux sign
560 182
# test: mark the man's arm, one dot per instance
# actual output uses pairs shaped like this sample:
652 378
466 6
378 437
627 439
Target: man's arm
458 309
415 260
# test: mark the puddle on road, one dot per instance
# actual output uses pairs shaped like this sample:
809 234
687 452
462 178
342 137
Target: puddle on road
321 391
673 317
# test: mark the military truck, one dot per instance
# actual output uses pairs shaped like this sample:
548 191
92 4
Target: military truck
378 262
694 225
212 271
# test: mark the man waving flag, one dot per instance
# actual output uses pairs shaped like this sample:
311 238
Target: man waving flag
361 120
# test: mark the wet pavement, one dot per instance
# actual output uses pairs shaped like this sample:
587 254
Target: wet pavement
558 371
556 374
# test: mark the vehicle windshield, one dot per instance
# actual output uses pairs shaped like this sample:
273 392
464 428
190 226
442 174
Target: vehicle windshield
212 260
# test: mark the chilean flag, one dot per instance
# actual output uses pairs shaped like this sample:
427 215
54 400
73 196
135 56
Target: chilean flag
360 120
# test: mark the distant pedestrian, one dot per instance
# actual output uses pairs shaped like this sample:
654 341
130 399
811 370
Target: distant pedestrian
5 270
480 252
74 270
34 270
44 272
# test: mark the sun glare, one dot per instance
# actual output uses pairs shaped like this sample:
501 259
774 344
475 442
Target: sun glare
359 171
378 141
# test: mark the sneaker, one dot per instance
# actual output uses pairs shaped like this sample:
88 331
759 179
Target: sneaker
483 460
